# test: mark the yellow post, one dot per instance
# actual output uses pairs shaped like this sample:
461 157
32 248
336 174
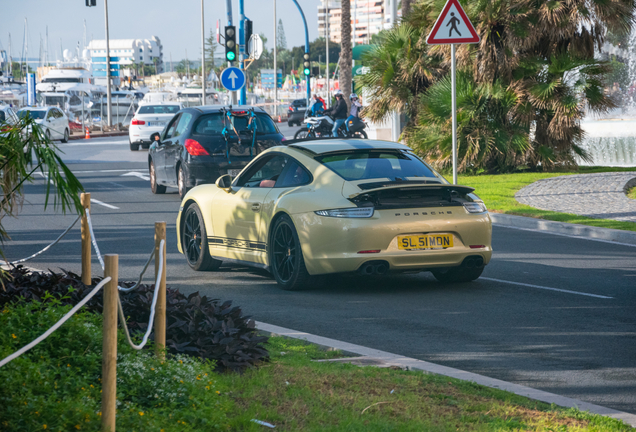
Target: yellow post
109 347
160 309
86 240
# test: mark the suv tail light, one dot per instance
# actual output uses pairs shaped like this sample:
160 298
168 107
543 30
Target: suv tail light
194 148
137 122
291 107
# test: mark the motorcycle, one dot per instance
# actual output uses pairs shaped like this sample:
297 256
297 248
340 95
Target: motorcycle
321 126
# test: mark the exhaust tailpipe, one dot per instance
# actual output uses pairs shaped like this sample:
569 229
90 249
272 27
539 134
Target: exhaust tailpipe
381 269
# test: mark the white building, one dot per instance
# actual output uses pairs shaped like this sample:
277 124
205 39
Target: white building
126 51
368 17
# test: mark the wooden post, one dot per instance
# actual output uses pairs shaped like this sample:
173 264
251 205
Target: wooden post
86 240
109 347
160 309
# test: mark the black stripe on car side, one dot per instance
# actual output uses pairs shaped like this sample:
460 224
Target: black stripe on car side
238 243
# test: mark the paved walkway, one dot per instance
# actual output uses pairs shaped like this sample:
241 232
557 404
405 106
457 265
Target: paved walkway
600 196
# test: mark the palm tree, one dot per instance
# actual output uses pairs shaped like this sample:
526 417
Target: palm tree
406 8
345 53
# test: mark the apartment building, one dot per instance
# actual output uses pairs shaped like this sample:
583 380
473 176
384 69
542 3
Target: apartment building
368 17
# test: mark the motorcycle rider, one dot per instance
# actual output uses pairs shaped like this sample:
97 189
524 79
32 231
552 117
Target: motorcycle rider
318 106
339 112
356 107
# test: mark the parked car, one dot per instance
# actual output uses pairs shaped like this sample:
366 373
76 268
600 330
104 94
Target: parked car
53 121
202 143
296 112
148 119
7 118
336 206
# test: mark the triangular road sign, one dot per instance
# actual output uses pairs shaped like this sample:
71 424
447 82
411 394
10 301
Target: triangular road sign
452 26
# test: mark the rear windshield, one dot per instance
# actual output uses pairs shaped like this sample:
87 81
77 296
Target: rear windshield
37 115
362 165
299 102
158 109
213 124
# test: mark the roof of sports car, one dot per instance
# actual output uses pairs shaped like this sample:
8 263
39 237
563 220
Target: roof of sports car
337 145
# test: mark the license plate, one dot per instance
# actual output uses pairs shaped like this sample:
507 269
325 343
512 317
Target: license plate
156 124
425 241
233 172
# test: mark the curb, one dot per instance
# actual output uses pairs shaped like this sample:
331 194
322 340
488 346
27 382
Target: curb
389 359
566 229
107 134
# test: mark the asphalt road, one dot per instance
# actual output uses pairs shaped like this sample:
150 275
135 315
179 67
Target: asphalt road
550 312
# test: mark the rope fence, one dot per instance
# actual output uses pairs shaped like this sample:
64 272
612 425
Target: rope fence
112 305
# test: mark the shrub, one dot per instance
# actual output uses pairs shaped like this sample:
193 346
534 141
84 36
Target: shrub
56 385
196 325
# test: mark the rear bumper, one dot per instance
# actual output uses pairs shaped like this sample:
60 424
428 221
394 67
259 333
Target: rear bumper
140 135
333 245
206 169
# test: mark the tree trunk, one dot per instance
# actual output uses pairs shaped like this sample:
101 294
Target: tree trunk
345 53
406 8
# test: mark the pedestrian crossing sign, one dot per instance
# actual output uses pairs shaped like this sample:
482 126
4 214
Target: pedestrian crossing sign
452 26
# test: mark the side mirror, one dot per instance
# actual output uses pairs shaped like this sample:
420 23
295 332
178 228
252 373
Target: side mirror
155 137
224 182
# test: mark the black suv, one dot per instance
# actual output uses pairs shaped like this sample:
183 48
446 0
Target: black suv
296 113
202 143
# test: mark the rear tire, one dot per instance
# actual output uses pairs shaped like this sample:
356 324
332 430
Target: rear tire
457 274
133 147
181 182
156 188
361 134
194 241
286 256
290 124
66 136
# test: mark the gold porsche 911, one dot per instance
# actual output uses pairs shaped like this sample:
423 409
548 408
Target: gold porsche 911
335 206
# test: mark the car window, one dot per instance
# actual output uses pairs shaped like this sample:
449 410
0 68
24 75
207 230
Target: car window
265 174
50 115
158 109
209 124
361 165
57 113
34 114
184 122
171 127
294 175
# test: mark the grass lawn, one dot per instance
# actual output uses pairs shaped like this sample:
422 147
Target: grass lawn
498 192
632 193
295 393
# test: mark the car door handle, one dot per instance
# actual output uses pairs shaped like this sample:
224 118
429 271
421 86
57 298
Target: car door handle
256 207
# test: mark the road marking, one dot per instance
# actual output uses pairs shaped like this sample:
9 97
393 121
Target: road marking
100 171
136 174
93 200
546 288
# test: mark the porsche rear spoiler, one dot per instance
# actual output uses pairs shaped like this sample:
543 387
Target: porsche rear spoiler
442 188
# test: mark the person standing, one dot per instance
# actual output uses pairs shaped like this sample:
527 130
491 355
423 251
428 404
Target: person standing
354 112
339 112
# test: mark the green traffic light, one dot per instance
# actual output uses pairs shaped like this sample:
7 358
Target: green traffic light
306 71
230 56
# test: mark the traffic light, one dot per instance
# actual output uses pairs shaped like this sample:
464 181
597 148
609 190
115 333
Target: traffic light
90 3
306 69
248 35
230 43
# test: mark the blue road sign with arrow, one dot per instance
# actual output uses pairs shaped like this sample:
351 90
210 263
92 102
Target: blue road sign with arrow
233 78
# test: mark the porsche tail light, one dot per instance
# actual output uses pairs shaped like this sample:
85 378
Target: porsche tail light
136 122
353 212
369 251
477 246
194 148
475 207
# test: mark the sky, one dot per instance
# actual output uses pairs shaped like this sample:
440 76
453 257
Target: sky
176 23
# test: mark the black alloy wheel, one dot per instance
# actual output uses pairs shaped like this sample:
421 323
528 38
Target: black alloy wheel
181 181
195 241
286 256
66 136
301 133
156 188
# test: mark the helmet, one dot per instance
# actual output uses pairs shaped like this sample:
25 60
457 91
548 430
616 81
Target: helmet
337 93
353 96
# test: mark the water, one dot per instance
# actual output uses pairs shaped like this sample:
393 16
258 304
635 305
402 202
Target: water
610 142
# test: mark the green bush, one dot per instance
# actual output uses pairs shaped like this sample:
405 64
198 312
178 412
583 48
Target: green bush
57 385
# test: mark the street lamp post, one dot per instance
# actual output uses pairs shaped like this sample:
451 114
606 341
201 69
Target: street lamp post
108 94
202 56
275 66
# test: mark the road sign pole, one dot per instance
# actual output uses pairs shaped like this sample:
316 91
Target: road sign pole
242 42
454 113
